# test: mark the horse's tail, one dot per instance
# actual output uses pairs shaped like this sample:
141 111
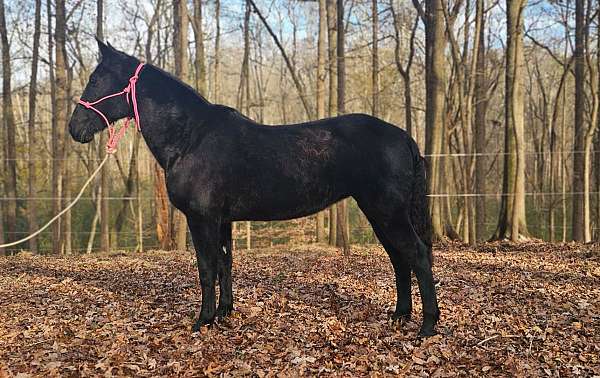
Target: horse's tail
419 212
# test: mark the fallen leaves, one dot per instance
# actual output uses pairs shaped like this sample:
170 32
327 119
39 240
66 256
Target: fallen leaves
507 309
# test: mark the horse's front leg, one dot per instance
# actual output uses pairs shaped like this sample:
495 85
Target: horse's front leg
206 237
225 290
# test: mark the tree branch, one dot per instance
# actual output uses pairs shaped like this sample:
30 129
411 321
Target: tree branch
299 87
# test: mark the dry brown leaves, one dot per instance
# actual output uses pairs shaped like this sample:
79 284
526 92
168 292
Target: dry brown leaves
527 310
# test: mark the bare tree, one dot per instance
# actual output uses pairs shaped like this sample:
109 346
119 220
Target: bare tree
292 71
597 141
481 102
2 240
217 75
32 209
435 42
60 119
244 93
180 23
405 70
512 222
578 130
129 182
342 206
104 173
593 109
375 58
9 125
331 53
199 64
321 77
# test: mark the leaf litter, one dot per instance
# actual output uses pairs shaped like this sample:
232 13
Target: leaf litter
507 309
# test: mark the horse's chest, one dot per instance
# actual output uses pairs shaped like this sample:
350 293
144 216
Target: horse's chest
192 189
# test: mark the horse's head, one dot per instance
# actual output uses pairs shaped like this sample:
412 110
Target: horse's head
110 76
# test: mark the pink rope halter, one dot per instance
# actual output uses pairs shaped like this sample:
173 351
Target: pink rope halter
129 91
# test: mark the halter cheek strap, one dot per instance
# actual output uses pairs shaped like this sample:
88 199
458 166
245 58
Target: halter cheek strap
129 91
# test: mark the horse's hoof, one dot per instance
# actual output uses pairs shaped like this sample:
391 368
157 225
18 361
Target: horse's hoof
401 316
428 326
427 332
202 322
223 312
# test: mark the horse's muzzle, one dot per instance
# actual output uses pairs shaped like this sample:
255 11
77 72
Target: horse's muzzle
80 134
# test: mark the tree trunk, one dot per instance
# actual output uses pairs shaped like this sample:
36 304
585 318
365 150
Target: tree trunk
60 119
332 42
164 231
555 160
180 21
199 64
248 235
512 221
342 206
54 174
67 230
31 134
2 240
129 186
481 103
405 71
244 92
140 220
578 126
104 173
8 116
217 77
321 76
597 144
597 174
590 129
562 162
375 59
67 224
435 42
92 236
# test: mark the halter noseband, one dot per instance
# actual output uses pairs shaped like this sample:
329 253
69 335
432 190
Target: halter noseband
113 135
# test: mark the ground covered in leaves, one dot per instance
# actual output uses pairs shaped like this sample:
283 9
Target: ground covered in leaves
527 310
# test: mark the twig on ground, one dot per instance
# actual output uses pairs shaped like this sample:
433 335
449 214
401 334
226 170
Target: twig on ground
486 340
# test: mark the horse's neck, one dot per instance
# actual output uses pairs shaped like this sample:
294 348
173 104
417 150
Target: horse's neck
167 113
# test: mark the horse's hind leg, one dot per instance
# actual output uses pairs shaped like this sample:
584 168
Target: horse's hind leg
225 290
402 274
422 268
399 232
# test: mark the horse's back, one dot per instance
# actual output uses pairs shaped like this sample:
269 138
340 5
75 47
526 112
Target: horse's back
352 147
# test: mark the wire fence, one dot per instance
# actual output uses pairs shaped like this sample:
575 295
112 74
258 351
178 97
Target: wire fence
440 195
456 155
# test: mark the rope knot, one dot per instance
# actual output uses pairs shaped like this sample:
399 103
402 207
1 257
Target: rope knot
85 103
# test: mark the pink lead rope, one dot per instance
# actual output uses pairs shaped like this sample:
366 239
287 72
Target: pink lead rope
113 135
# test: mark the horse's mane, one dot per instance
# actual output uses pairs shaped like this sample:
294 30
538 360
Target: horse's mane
186 89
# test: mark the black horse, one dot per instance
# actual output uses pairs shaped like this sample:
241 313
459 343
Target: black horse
222 167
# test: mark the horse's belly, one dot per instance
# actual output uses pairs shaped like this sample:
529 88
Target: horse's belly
280 203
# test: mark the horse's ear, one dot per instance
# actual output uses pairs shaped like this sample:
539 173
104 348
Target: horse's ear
103 48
